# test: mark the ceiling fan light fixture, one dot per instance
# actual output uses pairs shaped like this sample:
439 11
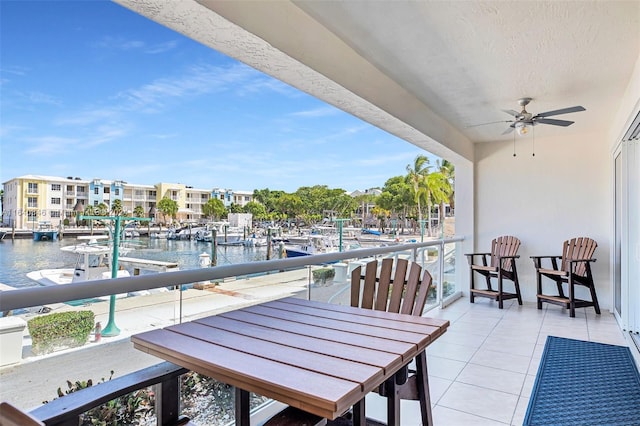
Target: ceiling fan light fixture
522 128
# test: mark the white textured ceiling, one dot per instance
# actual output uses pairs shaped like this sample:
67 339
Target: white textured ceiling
427 70
468 60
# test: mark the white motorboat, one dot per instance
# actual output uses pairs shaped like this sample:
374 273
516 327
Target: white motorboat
92 263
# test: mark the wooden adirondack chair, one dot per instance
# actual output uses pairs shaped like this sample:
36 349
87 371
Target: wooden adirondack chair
400 294
501 265
574 268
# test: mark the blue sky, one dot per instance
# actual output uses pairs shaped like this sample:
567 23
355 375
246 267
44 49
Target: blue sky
91 89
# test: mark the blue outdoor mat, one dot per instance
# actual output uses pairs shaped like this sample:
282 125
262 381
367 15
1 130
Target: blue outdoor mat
584 383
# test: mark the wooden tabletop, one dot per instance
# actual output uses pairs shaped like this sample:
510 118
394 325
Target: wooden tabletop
319 357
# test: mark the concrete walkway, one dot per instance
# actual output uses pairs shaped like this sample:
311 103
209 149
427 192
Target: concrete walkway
37 378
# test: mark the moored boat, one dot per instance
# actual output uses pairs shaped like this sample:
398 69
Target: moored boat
45 232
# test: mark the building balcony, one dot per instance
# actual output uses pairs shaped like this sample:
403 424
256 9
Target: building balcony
481 370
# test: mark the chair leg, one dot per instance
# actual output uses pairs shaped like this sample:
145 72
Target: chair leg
471 287
393 402
423 389
500 304
516 283
539 285
572 301
596 306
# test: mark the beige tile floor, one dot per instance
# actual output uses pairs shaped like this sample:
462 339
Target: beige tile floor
482 370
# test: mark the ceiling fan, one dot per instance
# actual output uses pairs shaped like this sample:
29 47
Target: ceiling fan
523 120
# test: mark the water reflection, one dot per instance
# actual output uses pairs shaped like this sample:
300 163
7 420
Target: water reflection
21 256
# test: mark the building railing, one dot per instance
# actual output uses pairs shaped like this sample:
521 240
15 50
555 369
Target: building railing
36 296
438 256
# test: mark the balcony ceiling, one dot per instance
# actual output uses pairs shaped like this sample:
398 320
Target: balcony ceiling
451 64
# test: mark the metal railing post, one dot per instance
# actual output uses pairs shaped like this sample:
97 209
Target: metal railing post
440 273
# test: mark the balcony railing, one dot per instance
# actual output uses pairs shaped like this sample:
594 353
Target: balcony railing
253 282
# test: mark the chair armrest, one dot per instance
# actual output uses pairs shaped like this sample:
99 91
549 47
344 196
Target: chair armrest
580 260
477 254
545 257
515 256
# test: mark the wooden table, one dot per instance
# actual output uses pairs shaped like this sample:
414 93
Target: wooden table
319 357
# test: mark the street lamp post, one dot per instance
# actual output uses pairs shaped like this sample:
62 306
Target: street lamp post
111 329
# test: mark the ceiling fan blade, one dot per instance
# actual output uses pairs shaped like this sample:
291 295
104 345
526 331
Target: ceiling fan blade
509 130
561 111
491 122
553 122
511 112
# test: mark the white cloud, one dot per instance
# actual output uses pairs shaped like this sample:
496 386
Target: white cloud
317 112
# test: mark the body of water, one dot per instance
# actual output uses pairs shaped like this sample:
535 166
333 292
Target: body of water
21 256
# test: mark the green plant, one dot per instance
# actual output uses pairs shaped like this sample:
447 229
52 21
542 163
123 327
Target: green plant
322 275
130 409
60 329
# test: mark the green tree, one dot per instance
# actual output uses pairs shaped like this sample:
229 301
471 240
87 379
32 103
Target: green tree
235 208
291 206
102 209
168 207
89 211
116 207
446 185
258 210
417 177
268 198
214 208
138 211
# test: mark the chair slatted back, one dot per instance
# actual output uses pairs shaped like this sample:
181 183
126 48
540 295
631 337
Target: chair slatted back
405 295
504 246
577 248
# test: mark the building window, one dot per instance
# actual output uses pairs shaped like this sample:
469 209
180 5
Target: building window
55 213
32 215
32 188
32 202
55 187
95 203
116 191
107 190
152 193
247 198
55 201
80 189
96 191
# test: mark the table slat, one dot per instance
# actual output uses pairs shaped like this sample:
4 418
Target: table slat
358 354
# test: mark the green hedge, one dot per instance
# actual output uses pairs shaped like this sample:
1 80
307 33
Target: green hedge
62 329
322 275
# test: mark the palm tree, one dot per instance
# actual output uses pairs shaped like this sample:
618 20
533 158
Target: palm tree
138 211
449 172
116 208
416 177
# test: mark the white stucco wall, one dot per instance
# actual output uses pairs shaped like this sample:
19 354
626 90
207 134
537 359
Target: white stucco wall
561 193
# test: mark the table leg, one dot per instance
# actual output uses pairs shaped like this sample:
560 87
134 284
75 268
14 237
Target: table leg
359 416
242 408
393 402
423 389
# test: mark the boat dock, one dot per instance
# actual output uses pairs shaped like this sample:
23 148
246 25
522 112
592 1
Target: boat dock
149 265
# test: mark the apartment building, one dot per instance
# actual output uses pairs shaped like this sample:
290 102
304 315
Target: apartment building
229 196
31 199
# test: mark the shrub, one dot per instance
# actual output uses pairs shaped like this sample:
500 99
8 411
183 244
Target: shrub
322 275
131 409
62 329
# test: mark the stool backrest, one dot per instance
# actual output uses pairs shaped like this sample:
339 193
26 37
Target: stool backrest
506 245
402 294
577 248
